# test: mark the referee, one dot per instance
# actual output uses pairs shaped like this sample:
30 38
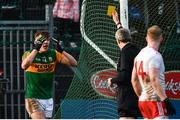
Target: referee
126 97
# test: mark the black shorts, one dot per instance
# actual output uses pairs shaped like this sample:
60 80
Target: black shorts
127 114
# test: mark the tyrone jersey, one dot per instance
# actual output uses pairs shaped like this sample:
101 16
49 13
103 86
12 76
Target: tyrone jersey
39 75
149 58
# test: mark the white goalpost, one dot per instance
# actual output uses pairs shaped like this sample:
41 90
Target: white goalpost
124 13
89 41
124 22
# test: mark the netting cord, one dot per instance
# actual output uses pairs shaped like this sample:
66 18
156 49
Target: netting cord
90 42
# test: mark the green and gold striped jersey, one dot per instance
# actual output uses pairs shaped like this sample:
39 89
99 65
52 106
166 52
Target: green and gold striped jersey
39 75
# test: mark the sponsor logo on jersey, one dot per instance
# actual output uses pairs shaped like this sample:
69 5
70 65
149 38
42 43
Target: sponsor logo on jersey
50 59
100 84
172 79
44 59
40 68
44 67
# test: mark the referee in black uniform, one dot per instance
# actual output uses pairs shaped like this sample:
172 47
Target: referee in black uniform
126 97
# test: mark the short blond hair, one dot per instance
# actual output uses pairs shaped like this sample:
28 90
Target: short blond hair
154 32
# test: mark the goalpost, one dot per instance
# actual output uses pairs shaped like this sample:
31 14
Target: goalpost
124 22
124 13
99 51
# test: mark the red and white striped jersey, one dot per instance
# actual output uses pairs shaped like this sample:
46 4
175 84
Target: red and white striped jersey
146 59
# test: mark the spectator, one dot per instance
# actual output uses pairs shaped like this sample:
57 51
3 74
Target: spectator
66 14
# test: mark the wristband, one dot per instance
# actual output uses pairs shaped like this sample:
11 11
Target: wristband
37 46
119 26
60 49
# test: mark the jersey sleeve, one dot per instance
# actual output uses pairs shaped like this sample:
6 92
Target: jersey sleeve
25 54
58 56
155 62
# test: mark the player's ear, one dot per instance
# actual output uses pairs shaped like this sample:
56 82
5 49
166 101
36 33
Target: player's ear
146 39
118 42
161 39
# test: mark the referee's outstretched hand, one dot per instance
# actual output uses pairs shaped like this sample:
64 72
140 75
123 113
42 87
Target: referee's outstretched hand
115 17
170 108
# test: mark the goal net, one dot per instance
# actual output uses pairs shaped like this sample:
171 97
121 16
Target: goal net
88 95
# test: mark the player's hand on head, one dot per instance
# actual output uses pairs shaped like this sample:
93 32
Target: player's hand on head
58 45
39 41
59 48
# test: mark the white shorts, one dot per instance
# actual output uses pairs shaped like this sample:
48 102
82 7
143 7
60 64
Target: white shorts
44 105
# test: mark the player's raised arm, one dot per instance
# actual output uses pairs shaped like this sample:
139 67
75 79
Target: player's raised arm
28 57
68 59
62 56
116 19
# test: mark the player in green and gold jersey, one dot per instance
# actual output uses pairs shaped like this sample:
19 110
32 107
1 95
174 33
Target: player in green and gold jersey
39 65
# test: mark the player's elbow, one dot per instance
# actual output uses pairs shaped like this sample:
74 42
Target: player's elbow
133 82
74 63
133 79
23 66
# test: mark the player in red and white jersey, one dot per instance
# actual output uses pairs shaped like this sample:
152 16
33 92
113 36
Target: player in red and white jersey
148 78
148 59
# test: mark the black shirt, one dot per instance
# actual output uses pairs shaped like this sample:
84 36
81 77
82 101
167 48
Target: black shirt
126 98
125 64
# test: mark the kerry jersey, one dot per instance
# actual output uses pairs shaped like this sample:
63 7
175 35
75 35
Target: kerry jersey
39 75
149 58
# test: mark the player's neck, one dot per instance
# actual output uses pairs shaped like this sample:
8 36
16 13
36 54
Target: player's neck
153 45
123 44
43 51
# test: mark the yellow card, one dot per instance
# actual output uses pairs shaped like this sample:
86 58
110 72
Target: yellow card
110 10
